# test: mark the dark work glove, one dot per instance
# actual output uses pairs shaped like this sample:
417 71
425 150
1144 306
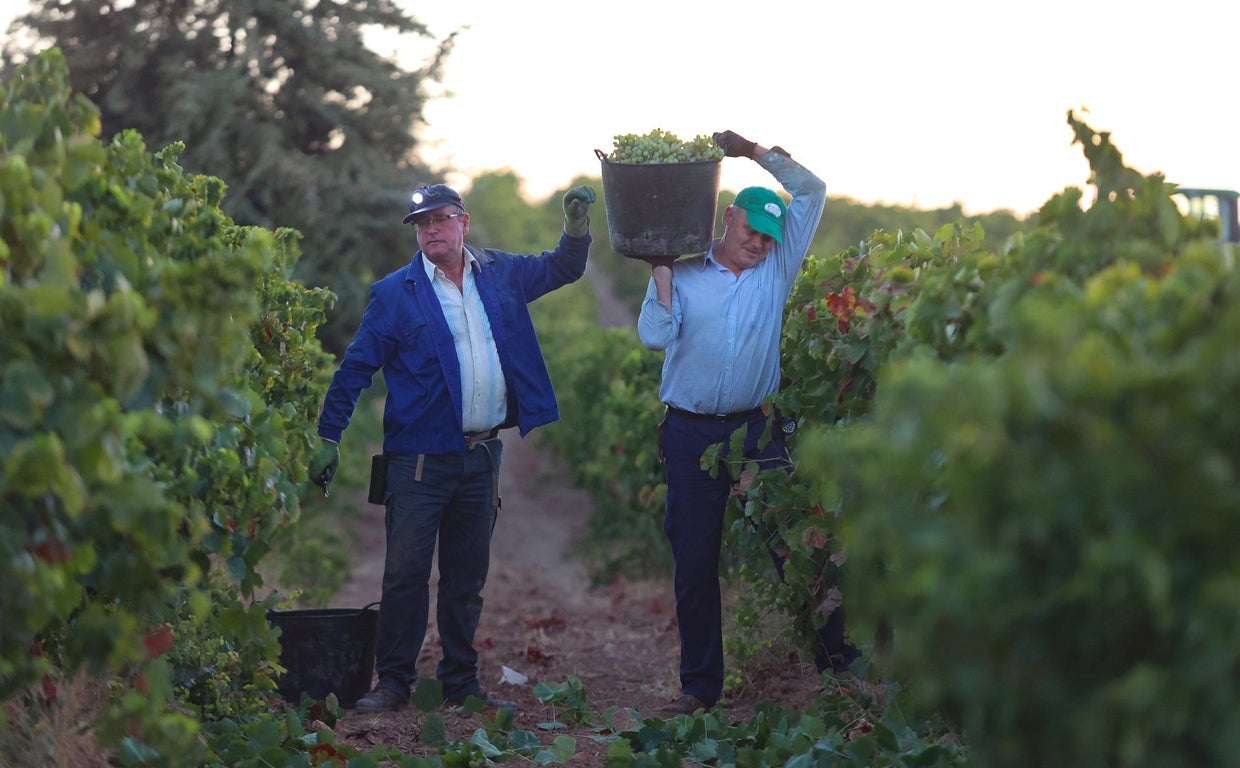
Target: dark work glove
577 210
324 463
734 145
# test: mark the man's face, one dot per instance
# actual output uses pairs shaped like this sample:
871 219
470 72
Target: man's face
441 234
741 246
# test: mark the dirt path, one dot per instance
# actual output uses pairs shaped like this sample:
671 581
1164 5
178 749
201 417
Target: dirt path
542 619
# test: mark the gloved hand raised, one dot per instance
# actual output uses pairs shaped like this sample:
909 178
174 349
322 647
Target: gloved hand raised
734 145
324 463
577 210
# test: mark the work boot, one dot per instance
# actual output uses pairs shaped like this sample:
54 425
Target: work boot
381 700
687 704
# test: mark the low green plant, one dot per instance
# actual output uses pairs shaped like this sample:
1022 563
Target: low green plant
568 700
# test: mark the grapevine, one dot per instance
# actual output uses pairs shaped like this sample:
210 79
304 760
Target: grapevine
660 146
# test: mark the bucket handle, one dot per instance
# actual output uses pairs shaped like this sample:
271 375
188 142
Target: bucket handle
601 155
368 606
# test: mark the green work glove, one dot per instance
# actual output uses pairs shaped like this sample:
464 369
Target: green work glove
577 210
324 463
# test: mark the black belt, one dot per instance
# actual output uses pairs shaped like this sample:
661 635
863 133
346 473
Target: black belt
737 416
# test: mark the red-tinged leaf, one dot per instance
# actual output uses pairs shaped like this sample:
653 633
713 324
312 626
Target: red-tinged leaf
862 727
49 688
814 538
158 642
833 600
51 552
842 304
486 643
321 754
535 655
810 314
816 511
845 388
545 622
140 683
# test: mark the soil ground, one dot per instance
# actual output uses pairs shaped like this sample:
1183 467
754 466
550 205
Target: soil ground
543 619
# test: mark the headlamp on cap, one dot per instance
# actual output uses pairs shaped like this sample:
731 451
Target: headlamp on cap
430 198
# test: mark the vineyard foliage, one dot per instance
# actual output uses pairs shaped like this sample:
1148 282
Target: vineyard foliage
160 383
1030 461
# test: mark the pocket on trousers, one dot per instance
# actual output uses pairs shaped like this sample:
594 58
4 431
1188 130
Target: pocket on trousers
378 479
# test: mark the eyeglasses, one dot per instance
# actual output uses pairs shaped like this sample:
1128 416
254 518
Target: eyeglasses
435 221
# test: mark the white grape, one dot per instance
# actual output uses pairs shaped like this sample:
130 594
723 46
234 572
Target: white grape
661 146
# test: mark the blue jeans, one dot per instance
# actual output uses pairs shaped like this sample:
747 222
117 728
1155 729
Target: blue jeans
452 502
696 503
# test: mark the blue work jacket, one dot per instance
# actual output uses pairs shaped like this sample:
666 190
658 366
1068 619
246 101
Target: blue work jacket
404 333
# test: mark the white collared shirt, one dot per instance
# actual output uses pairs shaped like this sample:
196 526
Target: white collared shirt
484 396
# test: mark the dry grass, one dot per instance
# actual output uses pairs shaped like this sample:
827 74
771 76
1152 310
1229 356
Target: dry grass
53 725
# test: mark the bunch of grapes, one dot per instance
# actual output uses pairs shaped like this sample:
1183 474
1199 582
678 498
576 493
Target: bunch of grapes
660 146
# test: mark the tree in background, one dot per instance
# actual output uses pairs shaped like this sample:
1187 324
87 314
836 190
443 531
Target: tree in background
281 99
501 218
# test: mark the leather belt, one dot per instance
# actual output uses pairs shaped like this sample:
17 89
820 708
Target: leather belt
473 439
737 416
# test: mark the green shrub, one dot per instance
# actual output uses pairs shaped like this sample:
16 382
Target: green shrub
156 410
1042 499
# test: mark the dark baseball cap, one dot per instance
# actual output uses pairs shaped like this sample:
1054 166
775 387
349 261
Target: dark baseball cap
430 198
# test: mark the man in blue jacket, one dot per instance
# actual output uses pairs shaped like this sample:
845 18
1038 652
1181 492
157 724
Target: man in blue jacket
453 336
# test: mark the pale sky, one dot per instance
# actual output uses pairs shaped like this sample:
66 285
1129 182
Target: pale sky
908 102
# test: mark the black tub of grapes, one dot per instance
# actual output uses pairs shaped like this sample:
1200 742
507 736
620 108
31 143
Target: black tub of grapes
660 194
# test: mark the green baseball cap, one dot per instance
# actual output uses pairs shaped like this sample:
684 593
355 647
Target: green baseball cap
764 209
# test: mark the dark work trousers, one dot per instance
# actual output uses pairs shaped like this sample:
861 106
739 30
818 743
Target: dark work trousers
696 503
453 501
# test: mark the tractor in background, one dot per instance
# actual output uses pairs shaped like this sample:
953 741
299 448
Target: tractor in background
1212 209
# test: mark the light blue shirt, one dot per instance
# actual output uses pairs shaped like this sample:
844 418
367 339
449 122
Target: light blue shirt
721 335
